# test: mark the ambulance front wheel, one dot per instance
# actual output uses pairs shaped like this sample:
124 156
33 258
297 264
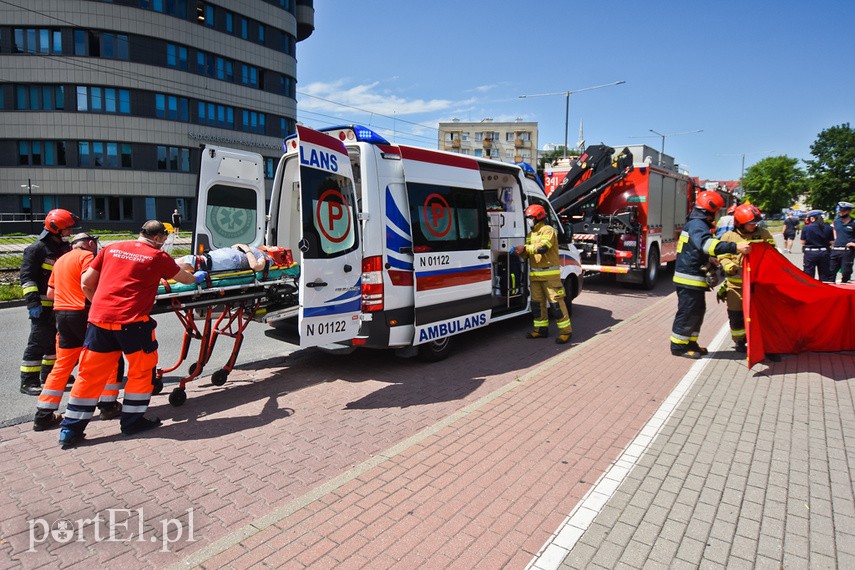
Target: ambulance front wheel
436 350
219 377
178 397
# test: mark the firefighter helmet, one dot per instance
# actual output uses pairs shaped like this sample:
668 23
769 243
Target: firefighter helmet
731 210
709 201
535 211
58 220
747 214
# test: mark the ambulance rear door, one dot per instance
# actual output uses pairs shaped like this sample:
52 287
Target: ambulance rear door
330 252
230 199
451 243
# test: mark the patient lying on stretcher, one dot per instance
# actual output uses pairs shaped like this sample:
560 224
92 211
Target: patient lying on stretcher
238 257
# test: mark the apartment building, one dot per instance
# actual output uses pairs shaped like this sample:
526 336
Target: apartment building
505 142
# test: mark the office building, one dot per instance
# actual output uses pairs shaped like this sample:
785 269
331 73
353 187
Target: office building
104 104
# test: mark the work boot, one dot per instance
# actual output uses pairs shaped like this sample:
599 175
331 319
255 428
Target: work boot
693 345
109 410
564 337
69 438
48 422
688 353
539 332
31 386
740 346
141 425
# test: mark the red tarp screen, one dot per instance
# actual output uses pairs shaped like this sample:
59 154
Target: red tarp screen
788 312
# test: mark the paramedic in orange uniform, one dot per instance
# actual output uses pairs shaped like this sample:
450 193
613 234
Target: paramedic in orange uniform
71 310
541 249
122 283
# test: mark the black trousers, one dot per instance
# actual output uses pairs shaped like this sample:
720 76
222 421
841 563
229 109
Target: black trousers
691 308
817 261
841 259
40 343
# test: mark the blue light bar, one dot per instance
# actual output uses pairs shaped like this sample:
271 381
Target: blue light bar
360 133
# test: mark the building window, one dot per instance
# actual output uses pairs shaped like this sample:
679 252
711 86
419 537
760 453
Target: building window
114 46
39 97
230 25
261 34
216 115
253 121
103 100
101 154
270 167
249 75
41 153
173 158
109 208
176 56
37 40
172 107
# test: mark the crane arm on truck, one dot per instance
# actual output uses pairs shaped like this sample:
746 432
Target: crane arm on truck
605 172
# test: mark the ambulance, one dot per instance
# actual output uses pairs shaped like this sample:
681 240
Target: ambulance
398 247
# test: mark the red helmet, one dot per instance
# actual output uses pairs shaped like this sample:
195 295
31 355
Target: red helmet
58 220
709 201
535 211
731 209
747 214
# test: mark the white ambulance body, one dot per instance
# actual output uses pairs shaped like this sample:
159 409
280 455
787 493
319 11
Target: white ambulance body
399 247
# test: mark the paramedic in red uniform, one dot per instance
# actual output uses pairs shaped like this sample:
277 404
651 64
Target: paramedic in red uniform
122 283
70 307
694 248
36 267
541 249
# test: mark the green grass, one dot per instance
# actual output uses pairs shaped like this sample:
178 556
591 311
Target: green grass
10 292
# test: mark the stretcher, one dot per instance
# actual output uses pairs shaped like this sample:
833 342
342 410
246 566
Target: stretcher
223 305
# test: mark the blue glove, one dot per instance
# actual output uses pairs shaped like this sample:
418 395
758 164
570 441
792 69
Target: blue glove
200 276
35 312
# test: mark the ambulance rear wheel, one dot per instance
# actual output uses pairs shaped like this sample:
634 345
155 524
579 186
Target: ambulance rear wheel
436 350
219 377
178 397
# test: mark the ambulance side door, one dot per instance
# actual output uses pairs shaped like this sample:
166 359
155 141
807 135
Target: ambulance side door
331 256
229 199
451 243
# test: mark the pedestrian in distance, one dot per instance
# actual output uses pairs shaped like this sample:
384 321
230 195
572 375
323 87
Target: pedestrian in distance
817 237
746 219
791 230
176 220
725 223
694 250
121 283
843 248
541 249
36 267
70 308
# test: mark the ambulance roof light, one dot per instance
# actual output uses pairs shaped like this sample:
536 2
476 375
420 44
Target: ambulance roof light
362 134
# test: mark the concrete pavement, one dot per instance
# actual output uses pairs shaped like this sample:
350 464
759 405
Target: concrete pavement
611 453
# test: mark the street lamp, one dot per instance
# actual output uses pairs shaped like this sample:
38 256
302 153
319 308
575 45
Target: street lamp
29 186
662 151
567 105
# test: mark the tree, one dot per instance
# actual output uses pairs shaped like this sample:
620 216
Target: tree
832 172
553 156
774 183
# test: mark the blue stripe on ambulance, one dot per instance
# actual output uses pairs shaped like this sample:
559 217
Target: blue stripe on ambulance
330 310
394 214
397 236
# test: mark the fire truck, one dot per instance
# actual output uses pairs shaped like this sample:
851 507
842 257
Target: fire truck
625 209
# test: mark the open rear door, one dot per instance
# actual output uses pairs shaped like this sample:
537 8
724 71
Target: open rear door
331 272
230 200
451 243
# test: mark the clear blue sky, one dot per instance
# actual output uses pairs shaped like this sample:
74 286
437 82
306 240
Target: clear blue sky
760 77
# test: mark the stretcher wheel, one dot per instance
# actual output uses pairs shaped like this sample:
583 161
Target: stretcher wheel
219 377
178 397
157 387
192 369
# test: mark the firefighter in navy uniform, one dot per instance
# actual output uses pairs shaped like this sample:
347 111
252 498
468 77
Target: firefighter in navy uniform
541 249
694 249
817 237
843 248
36 267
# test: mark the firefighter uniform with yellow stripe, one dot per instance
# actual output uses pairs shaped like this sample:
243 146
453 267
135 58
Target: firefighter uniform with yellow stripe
40 353
541 249
694 248
731 263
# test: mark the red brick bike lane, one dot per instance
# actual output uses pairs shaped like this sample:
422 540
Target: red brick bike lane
362 460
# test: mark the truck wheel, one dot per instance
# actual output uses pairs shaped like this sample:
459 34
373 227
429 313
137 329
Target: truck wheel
435 351
652 271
